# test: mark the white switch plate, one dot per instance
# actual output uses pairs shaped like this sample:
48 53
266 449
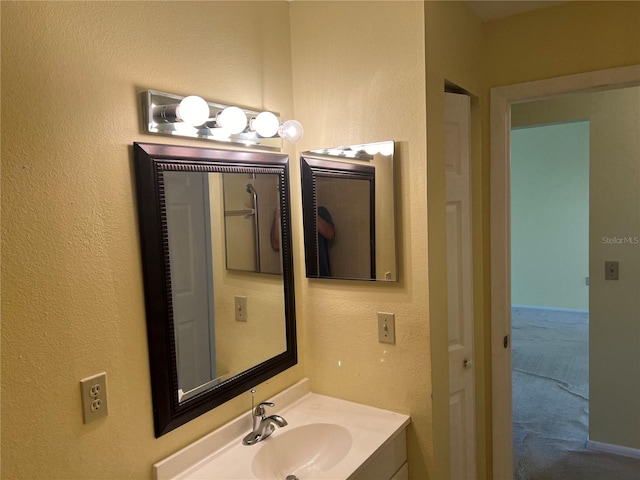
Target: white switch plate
241 308
611 270
386 328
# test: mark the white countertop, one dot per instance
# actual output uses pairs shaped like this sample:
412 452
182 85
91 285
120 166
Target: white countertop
221 455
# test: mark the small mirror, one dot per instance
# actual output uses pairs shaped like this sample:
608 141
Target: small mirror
217 324
349 212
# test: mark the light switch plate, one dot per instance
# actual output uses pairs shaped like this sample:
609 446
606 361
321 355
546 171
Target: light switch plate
241 308
611 270
386 328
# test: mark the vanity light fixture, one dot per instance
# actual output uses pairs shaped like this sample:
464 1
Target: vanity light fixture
195 117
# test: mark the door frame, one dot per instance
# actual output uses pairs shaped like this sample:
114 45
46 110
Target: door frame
500 210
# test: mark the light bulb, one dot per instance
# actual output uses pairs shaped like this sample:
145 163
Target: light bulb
386 149
291 131
372 149
265 124
232 119
193 110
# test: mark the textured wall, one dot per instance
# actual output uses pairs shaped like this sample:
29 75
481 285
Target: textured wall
72 296
72 291
570 38
359 76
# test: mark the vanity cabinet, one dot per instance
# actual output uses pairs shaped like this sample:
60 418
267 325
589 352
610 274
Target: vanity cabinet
389 463
403 473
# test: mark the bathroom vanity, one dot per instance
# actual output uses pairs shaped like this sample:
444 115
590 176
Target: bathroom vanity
326 438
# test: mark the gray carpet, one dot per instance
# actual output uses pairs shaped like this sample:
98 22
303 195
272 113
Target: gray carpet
551 401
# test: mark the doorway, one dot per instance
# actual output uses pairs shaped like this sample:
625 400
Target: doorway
549 285
502 100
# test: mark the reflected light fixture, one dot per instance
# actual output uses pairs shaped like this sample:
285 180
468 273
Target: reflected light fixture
372 149
195 117
364 151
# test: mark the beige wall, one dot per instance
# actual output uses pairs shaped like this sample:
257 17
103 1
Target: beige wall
73 302
575 37
359 76
614 373
71 278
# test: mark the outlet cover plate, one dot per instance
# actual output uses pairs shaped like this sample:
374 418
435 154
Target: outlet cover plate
94 397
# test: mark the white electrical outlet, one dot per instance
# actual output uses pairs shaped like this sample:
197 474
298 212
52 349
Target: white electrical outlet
94 397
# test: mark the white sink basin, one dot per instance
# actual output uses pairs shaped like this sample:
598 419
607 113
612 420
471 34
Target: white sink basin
326 438
307 451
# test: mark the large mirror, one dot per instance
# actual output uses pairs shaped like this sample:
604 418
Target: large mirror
349 212
218 274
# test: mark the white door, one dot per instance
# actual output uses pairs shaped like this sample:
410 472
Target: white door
460 288
189 226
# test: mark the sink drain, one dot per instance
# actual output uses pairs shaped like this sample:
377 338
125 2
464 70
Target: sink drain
291 477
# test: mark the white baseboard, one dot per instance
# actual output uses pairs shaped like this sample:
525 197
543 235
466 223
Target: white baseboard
550 309
615 449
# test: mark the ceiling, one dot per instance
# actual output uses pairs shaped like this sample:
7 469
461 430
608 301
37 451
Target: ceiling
493 10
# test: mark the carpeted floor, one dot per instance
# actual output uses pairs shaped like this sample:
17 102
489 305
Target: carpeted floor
551 401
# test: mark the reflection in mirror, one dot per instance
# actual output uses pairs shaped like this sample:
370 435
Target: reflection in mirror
203 350
250 204
196 264
349 212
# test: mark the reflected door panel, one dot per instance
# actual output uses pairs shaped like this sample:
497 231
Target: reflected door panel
188 222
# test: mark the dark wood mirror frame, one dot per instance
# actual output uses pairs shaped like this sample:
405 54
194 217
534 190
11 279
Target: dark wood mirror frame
311 168
151 160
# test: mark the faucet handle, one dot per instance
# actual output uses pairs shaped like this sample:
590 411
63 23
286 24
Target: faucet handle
260 408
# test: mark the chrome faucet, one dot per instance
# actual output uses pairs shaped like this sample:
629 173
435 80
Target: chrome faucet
263 426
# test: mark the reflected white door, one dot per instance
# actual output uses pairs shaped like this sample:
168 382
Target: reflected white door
189 226
460 288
